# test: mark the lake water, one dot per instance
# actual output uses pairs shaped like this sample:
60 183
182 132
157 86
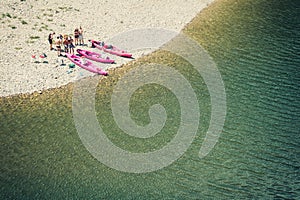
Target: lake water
256 47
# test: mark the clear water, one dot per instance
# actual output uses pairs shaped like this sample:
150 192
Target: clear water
257 49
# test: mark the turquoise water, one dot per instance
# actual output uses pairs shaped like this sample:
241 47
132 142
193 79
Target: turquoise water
257 49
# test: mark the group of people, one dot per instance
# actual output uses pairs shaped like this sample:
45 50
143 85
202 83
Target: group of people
66 41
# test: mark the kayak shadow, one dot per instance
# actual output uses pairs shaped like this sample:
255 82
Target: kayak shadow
131 58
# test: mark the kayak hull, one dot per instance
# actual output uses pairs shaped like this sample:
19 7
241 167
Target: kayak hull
88 65
111 49
94 56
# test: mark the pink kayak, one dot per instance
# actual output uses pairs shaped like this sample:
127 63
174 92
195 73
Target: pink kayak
88 65
111 49
94 56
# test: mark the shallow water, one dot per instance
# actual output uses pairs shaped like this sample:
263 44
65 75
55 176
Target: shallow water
255 45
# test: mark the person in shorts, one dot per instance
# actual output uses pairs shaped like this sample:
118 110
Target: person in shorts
66 44
58 43
50 40
71 45
76 36
80 37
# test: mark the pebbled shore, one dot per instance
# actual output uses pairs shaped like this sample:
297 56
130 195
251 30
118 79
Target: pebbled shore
25 26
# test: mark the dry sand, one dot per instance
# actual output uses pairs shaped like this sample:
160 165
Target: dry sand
25 25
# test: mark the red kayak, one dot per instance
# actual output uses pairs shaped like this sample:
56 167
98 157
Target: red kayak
94 56
86 64
111 49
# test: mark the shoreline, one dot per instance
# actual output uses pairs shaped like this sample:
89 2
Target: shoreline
24 34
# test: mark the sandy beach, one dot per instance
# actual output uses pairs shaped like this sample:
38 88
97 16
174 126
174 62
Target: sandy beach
26 24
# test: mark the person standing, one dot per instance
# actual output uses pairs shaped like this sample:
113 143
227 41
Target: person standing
50 40
76 36
58 43
66 44
81 42
71 45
